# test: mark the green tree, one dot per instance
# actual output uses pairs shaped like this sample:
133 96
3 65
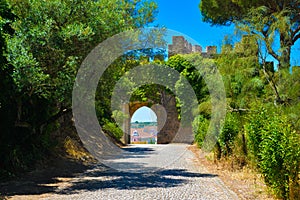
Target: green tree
265 19
53 37
182 64
48 42
7 109
269 133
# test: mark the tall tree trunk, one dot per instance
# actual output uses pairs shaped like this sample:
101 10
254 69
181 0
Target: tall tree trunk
285 58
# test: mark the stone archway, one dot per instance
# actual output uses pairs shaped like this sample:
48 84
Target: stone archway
167 129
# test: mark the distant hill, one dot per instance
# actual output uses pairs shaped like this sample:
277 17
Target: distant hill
142 124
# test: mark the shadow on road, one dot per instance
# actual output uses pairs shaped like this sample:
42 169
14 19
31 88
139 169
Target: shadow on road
137 181
136 149
43 180
78 177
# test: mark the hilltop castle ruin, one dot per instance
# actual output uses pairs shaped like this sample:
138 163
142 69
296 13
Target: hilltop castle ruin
181 46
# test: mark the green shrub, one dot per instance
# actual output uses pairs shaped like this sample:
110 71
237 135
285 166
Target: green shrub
280 157
113 129
274 146
226 137
228 133
253 130
200 127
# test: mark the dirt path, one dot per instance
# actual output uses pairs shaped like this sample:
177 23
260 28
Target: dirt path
147 172
164 172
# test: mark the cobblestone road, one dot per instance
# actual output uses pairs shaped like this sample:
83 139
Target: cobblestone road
146 172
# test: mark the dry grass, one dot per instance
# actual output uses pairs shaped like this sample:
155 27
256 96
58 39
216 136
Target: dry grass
76 151
139 142
244 181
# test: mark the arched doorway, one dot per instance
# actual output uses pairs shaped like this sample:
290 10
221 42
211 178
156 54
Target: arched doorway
143 126
167 118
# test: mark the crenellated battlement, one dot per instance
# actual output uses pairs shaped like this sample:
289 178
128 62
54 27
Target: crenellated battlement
181 46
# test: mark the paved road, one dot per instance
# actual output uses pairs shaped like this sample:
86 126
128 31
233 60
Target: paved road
147 172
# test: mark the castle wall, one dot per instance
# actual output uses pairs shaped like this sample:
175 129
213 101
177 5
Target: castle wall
181 46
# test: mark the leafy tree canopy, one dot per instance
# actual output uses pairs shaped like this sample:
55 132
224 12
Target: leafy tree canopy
265 19
42 45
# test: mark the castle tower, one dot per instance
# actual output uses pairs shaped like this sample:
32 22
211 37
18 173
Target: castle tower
179 46
211 50
197 49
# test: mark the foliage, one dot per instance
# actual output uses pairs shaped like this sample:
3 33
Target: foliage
205 109
241 74
57 28
188 70
274 144
289 87
113 129
267 20
200 127
257 128
44 43
229 133
280 160
263 103
253 134
106 85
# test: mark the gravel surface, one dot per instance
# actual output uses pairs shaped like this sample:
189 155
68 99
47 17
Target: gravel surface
145 172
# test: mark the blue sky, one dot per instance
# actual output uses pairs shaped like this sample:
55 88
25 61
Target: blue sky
144 114
185 17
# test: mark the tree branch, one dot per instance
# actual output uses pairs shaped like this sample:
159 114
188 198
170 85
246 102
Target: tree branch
296 38
239 110
55 117
22 124
269 48
272 83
